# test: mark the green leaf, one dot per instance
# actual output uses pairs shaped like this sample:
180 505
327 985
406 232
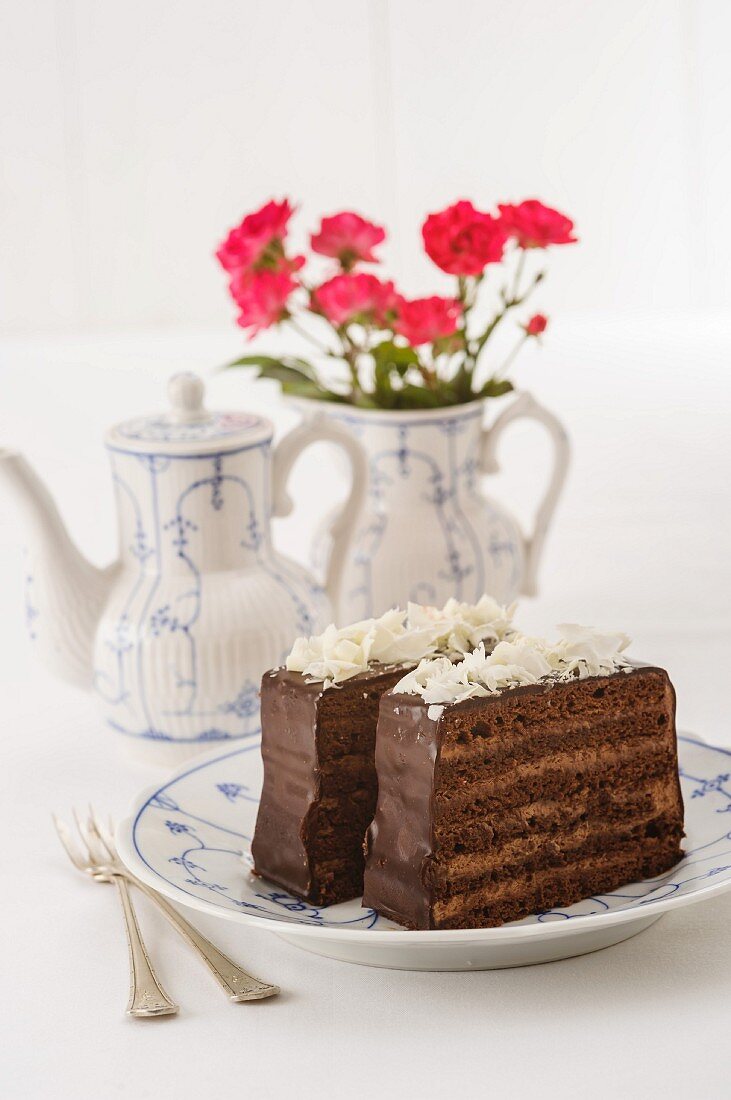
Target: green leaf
304 366
301 387
366 401
391 361
448 345
269 366
461 384
384 394
251 361
418 397
390 356
306 388
281 372
297 377
495 387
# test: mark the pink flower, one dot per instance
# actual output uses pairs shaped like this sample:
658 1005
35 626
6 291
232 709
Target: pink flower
462 241
258 239
348 238
262 297
536 325
534 225
424 320
364 298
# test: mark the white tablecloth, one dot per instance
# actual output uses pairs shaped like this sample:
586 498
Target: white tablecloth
642 542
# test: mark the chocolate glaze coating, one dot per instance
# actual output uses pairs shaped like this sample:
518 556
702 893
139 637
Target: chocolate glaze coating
288 748
399 840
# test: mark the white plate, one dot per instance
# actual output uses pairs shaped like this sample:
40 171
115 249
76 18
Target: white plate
190 839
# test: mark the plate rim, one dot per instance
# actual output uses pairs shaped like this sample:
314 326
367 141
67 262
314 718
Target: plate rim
135 862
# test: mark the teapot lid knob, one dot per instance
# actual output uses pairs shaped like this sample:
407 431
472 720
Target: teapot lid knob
186 392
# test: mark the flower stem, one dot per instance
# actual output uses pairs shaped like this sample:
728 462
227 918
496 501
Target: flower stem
502 371
518 274
309 337
510 303
467 296
350 354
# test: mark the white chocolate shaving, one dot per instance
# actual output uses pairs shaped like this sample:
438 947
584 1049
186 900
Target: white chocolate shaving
579 653
459 627
400 637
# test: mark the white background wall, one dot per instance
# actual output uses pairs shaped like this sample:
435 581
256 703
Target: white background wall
134 134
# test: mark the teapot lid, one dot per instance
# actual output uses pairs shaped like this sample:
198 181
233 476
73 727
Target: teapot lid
188 427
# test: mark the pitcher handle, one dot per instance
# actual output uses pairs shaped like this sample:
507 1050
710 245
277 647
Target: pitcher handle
321 428
526 407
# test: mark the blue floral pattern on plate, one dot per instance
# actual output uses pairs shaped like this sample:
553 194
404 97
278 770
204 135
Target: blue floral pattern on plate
194 833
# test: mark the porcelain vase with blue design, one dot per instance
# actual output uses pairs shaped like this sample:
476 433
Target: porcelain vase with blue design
174 637
427 530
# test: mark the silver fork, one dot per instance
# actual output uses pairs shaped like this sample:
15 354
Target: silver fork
147 997
104 864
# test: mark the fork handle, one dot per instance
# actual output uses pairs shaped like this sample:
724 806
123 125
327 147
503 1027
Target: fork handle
146 996
235 981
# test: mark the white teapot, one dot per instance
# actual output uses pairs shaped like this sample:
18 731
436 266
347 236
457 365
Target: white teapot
175 635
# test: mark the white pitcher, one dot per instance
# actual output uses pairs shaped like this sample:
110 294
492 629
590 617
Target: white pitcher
427 531
175 635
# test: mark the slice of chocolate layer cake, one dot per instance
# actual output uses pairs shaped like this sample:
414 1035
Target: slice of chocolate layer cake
320 785
519 781
319 717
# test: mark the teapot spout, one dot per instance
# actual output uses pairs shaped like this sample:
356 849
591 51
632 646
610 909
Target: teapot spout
64 593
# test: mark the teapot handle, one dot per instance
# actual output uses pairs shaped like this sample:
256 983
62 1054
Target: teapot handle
321 428
527 407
